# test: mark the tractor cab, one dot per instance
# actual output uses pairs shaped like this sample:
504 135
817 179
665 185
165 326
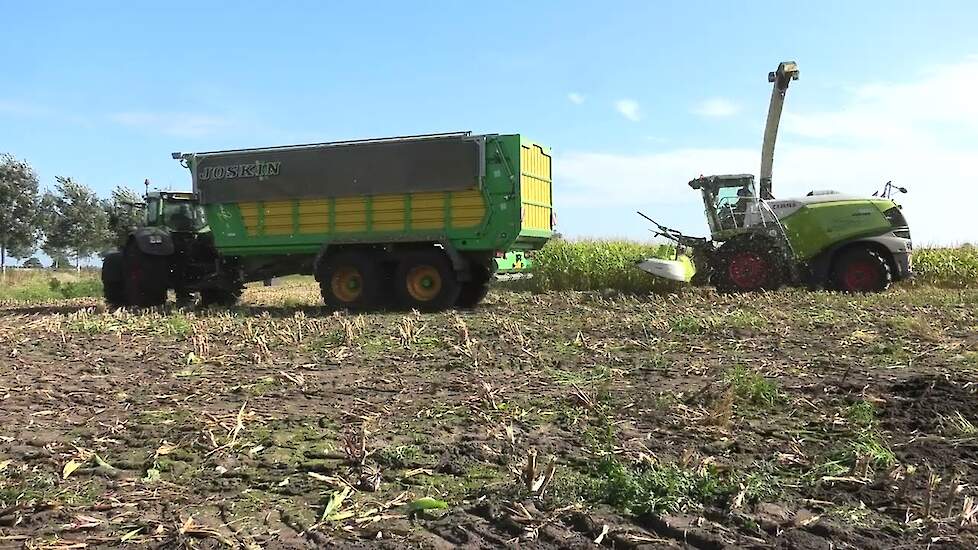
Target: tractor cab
176 212
731 204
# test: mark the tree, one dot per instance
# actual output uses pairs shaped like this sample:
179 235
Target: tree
19 199
75 221
123 213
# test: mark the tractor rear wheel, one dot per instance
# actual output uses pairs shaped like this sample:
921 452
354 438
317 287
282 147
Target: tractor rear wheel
426 281
114 280
475 289
146 277
748 265
352 280
861 270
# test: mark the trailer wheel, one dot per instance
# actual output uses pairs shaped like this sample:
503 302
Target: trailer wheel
748 265
351 280
114 280
145 277
426 281
861 270
475 289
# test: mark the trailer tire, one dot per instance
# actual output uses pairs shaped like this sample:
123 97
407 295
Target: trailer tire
145 277
860 269
426 281
475 289
114 280
351 280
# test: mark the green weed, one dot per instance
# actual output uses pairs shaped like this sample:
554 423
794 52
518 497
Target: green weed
751 388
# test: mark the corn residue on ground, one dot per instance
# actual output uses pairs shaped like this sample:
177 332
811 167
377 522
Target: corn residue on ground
792 419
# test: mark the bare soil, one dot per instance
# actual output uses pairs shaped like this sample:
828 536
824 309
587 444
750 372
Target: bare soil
785 420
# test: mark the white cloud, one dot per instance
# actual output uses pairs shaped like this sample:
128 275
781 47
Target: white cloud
19 108
174 124
575 98
939 101
629 109
610 179
921 133
717 107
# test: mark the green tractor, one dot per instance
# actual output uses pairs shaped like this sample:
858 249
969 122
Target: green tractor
823 240
173 248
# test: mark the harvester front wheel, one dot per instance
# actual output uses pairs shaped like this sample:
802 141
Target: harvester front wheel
861 270
748 265
145 277
426 281
351 280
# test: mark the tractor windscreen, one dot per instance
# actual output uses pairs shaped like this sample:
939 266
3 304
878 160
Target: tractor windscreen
183 216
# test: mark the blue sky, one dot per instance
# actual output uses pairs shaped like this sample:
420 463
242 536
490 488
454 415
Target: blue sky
635 98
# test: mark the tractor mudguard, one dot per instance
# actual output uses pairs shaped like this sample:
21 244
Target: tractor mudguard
154 241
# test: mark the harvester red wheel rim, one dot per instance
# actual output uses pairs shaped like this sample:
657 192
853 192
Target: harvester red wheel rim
862 275
748 270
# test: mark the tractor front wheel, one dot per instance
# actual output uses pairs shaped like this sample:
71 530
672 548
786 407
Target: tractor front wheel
221 297
861 270
146 277
114 280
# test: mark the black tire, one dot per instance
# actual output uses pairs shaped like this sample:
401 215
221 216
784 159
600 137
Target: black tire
426 281
146 277
748 264
861 269
113 280
352 280
475 289
221 297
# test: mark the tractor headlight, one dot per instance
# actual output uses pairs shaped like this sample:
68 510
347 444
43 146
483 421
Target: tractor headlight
155 239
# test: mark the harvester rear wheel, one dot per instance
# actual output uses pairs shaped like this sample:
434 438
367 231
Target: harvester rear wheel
861 270
748 265
352 280
475 289
426 281
145 277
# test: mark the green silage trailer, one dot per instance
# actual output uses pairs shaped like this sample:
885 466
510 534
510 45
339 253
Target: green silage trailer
414 222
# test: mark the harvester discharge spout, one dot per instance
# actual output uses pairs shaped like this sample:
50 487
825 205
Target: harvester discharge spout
781 78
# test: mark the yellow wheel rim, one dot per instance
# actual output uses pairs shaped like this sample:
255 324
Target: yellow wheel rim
347 284
423 283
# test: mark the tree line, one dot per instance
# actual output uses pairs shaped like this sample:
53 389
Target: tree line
69 223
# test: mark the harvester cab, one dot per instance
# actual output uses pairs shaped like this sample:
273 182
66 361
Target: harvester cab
825 239
731 205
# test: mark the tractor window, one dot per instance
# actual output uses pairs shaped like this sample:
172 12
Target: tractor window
152 211
184 216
